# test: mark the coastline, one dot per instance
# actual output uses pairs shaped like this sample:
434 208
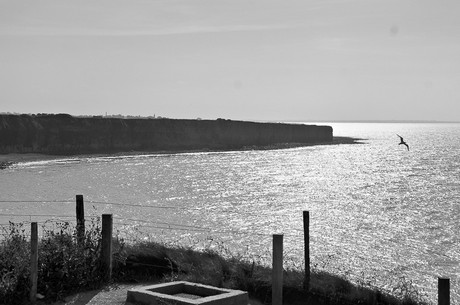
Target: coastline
7 160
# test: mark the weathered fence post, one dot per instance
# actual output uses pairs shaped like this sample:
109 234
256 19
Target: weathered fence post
443 291
306 234
80 219
277 270
106 253
33 262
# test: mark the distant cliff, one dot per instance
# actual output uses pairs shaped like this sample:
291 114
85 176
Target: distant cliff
65 134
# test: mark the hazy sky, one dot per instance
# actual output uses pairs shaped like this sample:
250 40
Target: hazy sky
237 59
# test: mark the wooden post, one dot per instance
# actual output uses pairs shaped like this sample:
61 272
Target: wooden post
443 291
106 253
80 219
306 230
33 262
277 270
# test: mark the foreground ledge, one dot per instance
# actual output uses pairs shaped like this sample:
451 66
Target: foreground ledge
185 293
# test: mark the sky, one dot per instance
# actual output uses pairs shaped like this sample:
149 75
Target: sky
286 60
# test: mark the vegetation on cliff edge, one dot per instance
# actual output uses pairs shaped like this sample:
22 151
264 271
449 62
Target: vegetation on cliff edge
66 266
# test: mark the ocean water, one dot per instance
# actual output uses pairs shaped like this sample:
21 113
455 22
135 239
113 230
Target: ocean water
379 214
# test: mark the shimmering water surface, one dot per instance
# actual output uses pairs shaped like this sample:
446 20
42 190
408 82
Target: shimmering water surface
378 212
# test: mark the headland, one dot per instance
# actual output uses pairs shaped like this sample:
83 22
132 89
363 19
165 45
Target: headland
63 134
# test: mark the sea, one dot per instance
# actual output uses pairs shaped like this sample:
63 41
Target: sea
380 215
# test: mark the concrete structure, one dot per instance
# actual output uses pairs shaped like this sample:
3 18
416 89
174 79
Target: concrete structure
185 293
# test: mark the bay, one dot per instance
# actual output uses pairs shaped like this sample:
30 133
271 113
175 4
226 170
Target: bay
380 214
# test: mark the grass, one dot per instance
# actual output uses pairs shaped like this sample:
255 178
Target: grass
67 266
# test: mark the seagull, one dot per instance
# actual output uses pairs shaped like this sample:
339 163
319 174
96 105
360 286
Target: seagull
402 141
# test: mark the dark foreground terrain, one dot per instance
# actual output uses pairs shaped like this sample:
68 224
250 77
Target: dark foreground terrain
69 265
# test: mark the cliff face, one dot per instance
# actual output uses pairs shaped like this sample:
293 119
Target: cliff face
64 134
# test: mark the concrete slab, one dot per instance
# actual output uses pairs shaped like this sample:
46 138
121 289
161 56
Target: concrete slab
186 293
114 294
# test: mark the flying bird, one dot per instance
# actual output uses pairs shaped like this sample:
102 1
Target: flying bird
402 141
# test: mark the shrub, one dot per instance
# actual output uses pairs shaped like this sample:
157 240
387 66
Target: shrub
65 264
14 265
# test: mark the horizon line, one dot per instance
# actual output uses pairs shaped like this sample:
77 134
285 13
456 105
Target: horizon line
130 116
